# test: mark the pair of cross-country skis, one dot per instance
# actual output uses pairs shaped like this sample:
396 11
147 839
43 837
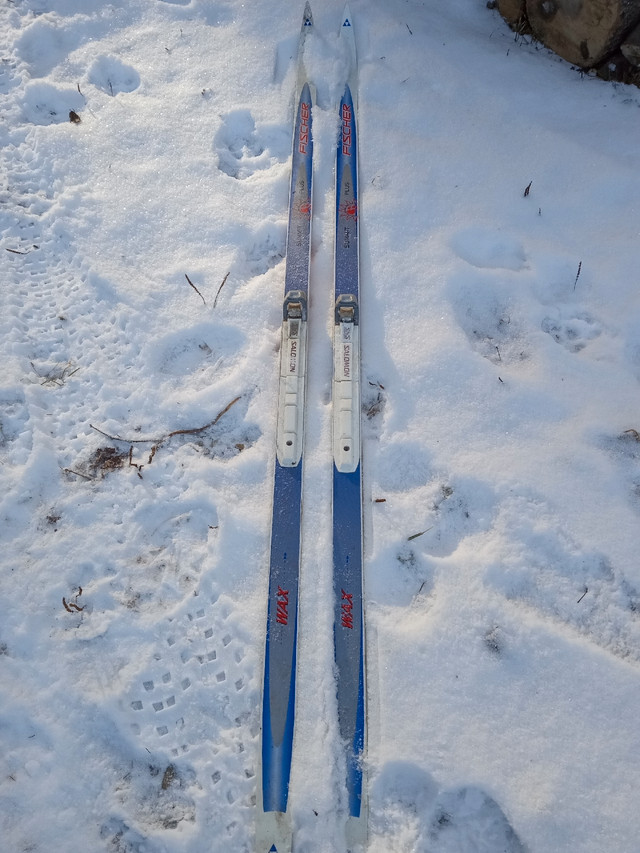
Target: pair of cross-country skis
274 828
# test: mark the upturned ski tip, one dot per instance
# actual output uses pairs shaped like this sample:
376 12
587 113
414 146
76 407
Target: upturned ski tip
307 21
346 16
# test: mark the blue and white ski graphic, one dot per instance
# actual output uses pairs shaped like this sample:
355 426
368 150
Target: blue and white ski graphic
273 824
349 634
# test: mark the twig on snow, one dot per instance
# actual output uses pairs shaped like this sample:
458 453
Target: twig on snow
417 535
215 301
195 288
157 442
577 275
77 474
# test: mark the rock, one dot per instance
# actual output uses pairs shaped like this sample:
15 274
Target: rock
583 32
630 47
512 10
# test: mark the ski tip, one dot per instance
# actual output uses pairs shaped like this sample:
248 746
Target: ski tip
346 16
307 21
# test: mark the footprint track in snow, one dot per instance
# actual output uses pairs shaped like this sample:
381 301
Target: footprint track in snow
194 698
266 252
410 812
489 316
199 654
574 330
54 330
624 450
487 249
442 510
430 513
243 148
552 576
16 440
46 41
61 324
111 75
46 284
195 349
44 103
490 319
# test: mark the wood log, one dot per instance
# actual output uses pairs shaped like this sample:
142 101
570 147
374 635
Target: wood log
512 10
583 32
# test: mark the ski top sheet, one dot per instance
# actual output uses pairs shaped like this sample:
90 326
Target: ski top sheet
273 824
349 635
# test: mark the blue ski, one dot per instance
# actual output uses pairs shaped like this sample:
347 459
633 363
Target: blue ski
349 636
273 825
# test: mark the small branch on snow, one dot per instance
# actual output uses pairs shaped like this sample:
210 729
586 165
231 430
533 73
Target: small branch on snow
195 288
417 535
77 474
133 464
73 606
55 375
119 438
224 280
157 442
577 275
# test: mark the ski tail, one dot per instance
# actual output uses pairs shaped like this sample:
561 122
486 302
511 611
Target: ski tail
273 820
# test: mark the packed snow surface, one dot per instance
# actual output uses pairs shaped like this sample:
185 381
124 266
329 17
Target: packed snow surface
142 249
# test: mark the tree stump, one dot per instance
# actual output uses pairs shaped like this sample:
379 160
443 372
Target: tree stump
583 32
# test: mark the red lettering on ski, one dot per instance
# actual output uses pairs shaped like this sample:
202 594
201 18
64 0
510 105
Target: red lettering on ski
346 130
282 606
347 610
303 138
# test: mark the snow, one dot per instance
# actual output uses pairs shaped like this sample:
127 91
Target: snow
142 270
